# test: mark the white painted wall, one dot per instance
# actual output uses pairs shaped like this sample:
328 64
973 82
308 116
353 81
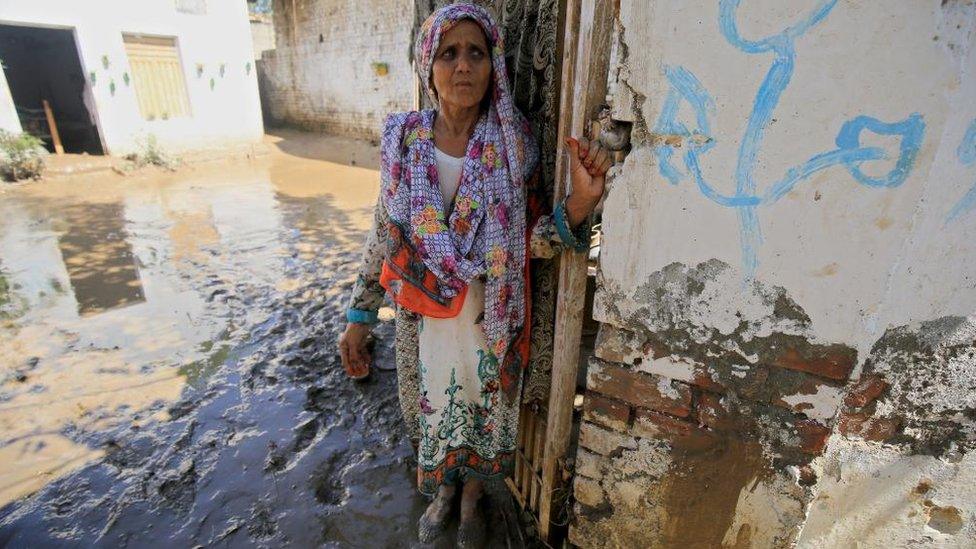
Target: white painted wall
262 34
857 258
8 111
229 113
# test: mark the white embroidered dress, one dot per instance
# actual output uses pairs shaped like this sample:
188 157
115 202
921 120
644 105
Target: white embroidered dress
465 427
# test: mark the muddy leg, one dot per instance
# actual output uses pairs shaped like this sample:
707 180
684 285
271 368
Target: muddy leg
434 518
471 531
469 497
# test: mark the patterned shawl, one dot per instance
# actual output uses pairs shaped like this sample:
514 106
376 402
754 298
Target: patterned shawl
485 233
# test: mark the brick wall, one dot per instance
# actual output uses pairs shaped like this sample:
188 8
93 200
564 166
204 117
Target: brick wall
327 71
673 431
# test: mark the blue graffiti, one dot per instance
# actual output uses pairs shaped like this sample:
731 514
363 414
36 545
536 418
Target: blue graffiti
685 87
966 153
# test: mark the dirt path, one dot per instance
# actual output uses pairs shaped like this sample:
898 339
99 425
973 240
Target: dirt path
167 352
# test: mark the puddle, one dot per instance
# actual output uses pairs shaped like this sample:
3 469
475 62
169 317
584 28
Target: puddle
168 366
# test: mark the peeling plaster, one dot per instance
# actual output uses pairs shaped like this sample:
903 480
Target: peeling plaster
822 404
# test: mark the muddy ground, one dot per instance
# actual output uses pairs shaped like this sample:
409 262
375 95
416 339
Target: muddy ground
169 374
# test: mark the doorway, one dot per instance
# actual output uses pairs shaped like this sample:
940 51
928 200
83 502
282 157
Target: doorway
42 65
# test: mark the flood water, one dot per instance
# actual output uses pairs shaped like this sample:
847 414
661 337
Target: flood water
167 353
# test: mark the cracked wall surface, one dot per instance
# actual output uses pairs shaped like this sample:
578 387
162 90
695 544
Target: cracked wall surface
787 281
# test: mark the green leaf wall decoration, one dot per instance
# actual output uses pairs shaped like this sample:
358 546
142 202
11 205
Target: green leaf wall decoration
105 62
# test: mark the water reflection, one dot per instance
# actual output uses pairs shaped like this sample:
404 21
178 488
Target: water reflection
117 295
98 257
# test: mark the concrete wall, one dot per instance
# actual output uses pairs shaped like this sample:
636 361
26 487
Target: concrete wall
262 34
323 74
787 280
226 113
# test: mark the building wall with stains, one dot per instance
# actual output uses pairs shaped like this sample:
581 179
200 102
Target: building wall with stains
213 43
787 280
338 66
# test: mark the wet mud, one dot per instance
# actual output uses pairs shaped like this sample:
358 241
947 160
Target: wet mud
168 365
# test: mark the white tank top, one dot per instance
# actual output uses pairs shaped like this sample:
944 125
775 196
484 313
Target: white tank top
449 174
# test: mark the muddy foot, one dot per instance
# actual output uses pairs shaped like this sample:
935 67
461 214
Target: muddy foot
434 519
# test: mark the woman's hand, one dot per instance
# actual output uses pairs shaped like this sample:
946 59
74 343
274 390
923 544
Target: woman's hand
355 353
588 165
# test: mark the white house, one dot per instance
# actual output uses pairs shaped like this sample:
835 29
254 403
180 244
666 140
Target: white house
114 72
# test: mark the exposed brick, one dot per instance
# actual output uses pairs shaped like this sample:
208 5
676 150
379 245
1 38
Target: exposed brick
703 378
747 381
607 412
652 356
639 389
588 491
711 412
868 388
813 436
648 423
830 361
679 433
868 427
589 464
616 345
603 441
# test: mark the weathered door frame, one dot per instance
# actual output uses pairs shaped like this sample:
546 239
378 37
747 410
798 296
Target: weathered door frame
88 94
587 35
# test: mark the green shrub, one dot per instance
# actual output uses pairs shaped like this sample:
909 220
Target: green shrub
151 153
21 156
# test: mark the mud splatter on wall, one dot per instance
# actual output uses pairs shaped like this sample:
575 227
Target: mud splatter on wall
787 282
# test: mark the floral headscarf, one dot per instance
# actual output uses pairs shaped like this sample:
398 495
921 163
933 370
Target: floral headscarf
485 233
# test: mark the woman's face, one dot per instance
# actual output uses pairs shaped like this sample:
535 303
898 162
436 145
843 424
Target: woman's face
462 66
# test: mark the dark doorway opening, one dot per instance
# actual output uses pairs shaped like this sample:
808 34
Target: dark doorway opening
43 64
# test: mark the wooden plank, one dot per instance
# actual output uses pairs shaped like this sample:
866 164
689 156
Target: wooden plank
557 441
53 127
527 465
520 449
539 445
515 491
589 28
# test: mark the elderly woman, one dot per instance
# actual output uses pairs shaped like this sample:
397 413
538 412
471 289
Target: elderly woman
457 220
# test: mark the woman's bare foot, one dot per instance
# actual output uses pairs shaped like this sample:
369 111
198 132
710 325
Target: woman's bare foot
434 518
471 530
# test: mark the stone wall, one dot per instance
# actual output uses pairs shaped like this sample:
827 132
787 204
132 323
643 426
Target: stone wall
787 353
338 67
